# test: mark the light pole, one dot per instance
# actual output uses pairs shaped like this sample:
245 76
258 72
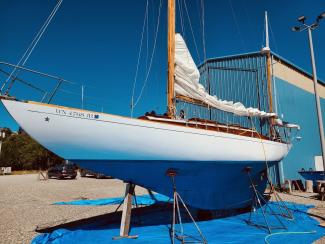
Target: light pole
303 26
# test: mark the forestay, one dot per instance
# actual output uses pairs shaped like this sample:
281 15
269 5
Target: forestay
187 84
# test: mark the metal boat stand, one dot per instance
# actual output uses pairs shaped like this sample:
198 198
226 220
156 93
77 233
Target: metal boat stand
126 213
284 211
177 200
258 200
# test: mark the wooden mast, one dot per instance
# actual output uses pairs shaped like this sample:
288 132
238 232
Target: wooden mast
269 80
171 58
268 71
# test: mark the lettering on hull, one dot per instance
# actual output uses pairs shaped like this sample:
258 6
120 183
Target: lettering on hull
76 114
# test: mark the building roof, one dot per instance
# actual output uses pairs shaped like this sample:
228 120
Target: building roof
296 67
277 56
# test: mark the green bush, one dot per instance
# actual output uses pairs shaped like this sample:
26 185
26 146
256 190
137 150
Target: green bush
21 152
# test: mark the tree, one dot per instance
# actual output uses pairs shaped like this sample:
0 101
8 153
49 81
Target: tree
20 151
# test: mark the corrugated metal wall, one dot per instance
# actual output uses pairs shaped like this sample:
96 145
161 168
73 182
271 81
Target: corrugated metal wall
239 79
243 78
296 104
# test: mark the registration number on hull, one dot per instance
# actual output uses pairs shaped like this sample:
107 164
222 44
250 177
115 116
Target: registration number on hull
76 114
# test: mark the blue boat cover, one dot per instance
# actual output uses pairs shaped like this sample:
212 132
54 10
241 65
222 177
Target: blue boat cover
234 229
140 200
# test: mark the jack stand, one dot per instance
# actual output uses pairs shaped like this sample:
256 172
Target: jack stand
177 198
42 175
126 213
284 210
257 201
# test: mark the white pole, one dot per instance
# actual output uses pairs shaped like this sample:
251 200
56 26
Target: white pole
82 96
267 44
266 49
318 106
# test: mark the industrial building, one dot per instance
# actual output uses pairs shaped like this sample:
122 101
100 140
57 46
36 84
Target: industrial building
243 78
296 101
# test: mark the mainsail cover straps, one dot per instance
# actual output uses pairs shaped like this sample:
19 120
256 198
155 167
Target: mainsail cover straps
187 84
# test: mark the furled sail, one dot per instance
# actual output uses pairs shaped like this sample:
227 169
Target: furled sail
187 84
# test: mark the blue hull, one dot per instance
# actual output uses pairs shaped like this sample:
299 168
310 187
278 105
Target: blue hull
204 185
313 175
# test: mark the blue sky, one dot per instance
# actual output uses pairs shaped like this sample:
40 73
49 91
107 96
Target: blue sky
96 44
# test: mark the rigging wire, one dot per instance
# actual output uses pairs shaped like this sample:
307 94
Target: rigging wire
151 58
273 39
30 48
180 12
139 57
274 88
263 36
45 92
24 82
85 96
147 40
237 25
37 72
277 103
206 79
251 26
13 75
203 29
190 24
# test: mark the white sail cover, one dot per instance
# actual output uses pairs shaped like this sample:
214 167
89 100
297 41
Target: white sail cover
187 84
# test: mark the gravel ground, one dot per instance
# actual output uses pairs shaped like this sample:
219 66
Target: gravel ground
25 202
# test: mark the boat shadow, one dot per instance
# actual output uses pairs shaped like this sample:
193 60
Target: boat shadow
153 215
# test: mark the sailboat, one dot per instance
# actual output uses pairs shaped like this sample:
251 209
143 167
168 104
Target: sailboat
207 156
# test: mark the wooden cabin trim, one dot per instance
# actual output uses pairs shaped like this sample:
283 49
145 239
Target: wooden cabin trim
209 125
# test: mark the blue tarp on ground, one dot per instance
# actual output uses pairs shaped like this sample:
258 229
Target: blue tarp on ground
303 229
140 200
